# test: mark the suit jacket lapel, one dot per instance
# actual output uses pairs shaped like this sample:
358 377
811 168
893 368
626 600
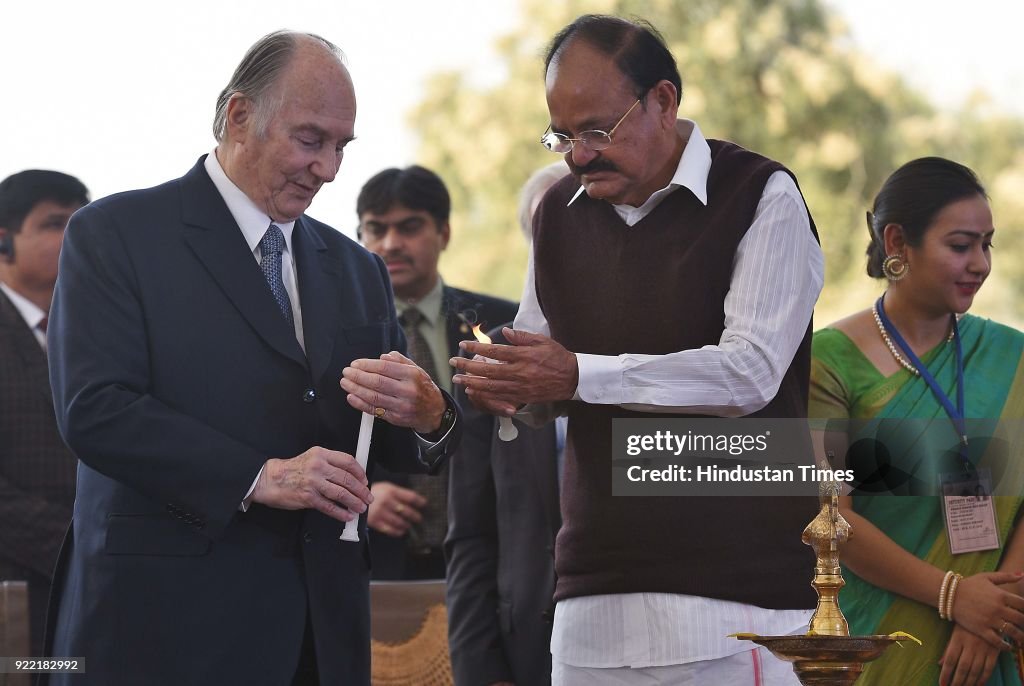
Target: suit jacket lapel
215 238
457 326
320 294
19 339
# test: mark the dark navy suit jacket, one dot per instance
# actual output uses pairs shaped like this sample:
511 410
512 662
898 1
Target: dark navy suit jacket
175 378
37 471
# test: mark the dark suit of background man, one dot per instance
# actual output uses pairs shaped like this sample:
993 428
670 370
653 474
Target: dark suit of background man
198 335
37 471
503 516
694 297
403 217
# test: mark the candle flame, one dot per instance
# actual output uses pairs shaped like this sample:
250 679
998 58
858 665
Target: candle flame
480 335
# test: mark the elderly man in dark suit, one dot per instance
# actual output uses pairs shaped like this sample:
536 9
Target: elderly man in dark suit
198 335
404 218
37 471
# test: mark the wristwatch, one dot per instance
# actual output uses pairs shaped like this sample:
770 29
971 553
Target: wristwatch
448 418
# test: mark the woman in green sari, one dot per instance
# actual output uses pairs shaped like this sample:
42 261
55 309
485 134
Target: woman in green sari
905 361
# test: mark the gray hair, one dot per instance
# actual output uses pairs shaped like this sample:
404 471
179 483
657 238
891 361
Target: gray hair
534 189
257 73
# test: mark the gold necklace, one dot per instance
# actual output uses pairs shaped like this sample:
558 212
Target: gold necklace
904 362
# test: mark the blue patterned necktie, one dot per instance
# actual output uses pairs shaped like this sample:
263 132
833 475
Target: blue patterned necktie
271 247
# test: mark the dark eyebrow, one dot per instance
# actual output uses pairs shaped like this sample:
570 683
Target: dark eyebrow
971 234
591 124
57 218
555 129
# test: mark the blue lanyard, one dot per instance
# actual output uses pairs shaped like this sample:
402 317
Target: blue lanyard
956 414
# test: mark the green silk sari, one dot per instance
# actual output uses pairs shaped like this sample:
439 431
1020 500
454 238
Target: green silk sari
844 384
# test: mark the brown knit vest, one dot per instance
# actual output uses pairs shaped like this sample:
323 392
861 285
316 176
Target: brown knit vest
655 288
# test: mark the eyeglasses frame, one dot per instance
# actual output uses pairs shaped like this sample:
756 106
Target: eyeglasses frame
573 141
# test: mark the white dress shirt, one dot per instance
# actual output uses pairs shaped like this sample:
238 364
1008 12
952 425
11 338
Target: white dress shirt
254 222
28 310
777 275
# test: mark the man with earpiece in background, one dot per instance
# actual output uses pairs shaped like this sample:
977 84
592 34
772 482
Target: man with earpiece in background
37 471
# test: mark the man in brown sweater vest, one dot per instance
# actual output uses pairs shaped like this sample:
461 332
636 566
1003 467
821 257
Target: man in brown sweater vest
681 283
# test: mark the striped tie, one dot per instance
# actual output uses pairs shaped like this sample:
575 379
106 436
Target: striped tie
429 533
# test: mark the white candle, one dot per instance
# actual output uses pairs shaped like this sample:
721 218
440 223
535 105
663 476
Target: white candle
507 430
351 532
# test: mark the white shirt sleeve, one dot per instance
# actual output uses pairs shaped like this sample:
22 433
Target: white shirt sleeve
778 273
530 317
247 500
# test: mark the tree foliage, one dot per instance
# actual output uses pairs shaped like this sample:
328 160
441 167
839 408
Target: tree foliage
777 76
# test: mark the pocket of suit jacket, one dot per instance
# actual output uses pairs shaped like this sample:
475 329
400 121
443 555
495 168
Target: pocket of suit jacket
153 534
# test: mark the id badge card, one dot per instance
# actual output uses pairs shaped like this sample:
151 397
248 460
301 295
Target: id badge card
969 511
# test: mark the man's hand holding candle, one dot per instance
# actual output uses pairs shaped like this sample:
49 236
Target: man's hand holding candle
394 389
533 369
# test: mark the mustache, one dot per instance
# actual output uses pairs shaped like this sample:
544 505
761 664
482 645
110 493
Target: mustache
596 165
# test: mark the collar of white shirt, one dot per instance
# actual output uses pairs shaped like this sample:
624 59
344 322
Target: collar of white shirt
250 218
691 172
28 310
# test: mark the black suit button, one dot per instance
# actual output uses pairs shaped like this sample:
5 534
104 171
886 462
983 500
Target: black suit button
548 615
309 395
307 537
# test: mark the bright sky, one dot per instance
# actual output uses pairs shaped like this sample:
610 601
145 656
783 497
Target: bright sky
120 93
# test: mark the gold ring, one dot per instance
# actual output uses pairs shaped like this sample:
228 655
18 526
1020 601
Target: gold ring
379 412
1007 639
399 508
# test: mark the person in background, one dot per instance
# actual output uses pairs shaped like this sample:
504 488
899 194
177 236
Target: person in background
905 358
503 515
403 218
37 471
212 352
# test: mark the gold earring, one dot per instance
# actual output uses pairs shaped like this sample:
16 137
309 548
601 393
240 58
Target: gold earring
895 267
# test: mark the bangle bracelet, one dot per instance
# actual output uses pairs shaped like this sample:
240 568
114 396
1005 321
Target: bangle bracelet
942 594
952 594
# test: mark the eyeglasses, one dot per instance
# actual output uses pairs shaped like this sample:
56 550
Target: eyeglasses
593 140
